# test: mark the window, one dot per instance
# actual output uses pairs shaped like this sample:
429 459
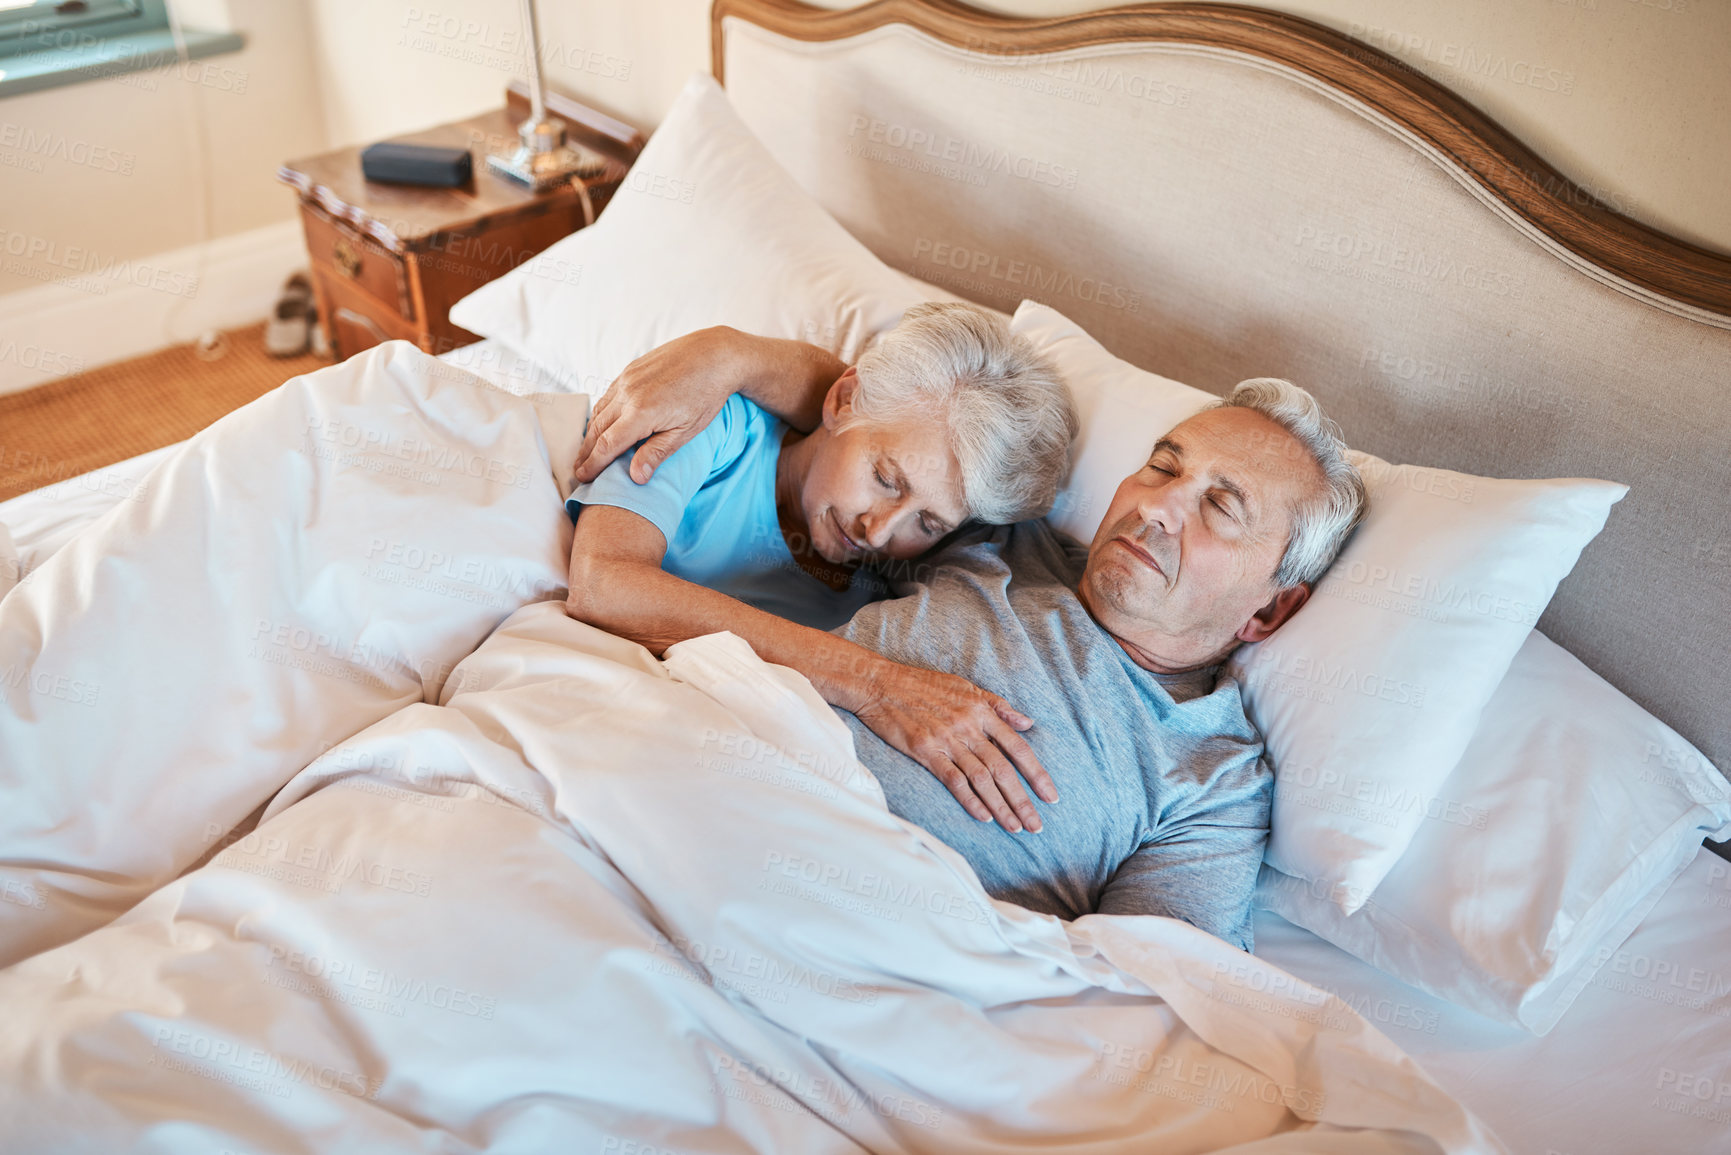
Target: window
44 25
49 42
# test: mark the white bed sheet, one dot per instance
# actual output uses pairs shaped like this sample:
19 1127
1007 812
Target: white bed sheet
43 520
1640 1063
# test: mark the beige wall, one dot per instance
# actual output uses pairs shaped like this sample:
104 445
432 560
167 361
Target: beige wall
389 67
1630 98
140 189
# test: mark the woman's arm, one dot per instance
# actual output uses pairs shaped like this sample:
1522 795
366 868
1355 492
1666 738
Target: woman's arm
964 736
676 389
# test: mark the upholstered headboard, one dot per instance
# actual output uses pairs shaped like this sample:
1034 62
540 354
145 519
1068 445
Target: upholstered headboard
1218 192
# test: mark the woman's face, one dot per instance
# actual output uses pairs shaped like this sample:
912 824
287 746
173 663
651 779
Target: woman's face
891 490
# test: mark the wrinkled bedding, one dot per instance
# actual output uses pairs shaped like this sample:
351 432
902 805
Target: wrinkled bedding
592 901
304 567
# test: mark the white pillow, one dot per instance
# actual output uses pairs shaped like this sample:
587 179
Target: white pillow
307 565
707 230
1366 698
1122 410
1568 817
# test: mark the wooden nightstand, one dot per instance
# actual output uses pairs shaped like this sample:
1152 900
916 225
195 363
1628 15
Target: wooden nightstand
389 261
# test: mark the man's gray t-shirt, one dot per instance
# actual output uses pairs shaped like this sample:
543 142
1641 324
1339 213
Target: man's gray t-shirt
1163 793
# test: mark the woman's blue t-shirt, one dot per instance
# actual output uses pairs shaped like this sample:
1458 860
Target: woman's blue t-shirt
713 499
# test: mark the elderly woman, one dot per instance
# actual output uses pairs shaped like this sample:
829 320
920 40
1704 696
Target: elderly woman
755 528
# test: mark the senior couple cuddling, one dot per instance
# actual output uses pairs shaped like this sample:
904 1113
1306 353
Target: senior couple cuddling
781 495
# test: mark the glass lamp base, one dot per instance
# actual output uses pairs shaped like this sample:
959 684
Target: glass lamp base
543 170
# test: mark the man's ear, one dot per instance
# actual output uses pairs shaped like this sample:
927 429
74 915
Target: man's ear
1273 615
838 402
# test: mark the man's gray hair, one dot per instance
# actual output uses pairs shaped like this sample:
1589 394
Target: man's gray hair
1010 416
1322 525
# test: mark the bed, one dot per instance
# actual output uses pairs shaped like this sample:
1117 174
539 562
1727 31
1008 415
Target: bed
1454 302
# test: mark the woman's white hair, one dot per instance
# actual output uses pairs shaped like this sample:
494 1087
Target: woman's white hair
1009 414
1321 526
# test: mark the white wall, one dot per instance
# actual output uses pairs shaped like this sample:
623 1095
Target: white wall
141 210
147 176
1629 98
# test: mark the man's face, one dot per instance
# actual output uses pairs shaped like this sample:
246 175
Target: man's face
1181 569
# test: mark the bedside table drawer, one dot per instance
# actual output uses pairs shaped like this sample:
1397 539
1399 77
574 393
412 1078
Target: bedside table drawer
354 319
349 257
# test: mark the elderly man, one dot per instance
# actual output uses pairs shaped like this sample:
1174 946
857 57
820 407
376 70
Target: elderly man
1114 650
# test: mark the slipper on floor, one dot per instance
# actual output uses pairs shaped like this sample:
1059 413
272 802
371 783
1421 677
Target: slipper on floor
288 331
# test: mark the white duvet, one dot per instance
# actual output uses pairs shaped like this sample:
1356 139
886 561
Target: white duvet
597 902
302 568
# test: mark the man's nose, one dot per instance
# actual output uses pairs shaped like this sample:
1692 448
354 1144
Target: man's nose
1162 507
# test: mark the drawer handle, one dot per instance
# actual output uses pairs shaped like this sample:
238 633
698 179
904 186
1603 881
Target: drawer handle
363 321
348 261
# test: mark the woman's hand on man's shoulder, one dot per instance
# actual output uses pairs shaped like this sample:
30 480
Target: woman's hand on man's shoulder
664 399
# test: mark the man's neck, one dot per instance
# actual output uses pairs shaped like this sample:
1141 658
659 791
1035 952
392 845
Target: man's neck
1144 658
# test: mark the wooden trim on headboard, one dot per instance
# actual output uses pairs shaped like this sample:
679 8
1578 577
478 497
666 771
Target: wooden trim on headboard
1502 165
